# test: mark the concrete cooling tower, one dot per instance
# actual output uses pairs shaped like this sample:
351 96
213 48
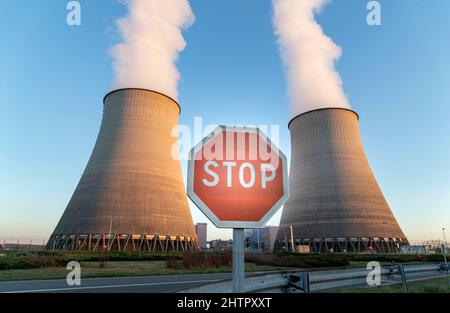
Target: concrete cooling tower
335 203
131 195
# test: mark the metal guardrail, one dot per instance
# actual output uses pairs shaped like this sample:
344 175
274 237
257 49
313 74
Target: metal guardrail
314 281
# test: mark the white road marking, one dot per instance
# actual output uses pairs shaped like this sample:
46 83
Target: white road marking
117 277
112 286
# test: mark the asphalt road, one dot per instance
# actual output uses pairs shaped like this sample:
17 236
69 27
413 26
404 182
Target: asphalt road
174 283
139 284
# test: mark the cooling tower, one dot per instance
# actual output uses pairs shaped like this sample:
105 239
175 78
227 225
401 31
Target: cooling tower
335 203
131 195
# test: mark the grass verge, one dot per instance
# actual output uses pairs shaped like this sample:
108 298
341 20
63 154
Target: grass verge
121 269
436 285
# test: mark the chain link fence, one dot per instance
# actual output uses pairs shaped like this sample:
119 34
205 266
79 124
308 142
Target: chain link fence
22 244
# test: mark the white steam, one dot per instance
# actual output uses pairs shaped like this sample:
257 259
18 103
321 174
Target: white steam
308 55
152 39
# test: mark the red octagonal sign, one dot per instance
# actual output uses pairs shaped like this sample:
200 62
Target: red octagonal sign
237 177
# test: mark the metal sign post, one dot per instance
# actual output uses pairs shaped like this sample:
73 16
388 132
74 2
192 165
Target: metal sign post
445 254
238 261
401 270
292 239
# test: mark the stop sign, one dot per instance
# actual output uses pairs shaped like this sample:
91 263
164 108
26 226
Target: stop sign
237 177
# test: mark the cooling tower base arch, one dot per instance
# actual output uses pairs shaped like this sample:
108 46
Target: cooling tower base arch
344 245
122 242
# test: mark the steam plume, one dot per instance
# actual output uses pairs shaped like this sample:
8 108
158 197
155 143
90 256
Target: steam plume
308 55
152 39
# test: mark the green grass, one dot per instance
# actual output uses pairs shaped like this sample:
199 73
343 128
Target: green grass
29 265
121 269
436 285
359 264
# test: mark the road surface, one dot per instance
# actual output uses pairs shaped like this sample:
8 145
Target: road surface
138 284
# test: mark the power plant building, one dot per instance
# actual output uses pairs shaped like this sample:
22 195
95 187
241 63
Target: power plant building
131 195
262 239
202 230
335 203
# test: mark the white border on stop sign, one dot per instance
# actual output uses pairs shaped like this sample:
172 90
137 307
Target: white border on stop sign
204 208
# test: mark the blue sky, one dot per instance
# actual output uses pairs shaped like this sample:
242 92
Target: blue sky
53 78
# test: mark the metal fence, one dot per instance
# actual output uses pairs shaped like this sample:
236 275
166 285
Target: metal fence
22 244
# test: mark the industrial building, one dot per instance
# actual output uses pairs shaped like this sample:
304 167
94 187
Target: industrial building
219 245
335 203
417 249
131 195
202 234
262 239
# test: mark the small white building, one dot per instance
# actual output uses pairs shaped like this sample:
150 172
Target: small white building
416 249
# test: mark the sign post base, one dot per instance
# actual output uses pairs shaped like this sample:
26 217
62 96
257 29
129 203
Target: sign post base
238 261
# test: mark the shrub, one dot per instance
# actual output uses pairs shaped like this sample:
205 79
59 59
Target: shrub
32 260
41 259
297 260
202 260
175 263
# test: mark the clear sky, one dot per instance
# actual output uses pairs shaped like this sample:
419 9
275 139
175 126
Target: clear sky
53 78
